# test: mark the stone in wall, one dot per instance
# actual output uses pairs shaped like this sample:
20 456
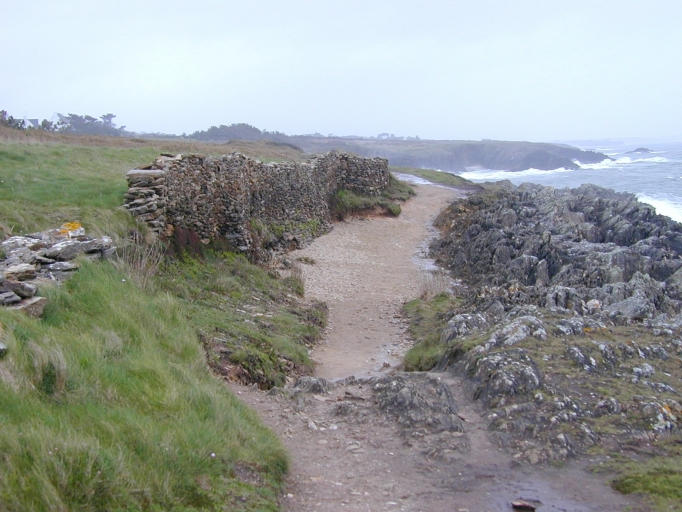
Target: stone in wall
255 207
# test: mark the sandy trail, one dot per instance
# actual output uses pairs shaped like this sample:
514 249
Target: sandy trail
365 270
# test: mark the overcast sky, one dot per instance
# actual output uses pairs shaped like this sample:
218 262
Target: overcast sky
535 70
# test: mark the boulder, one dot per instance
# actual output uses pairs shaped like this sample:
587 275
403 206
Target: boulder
62 266
505 373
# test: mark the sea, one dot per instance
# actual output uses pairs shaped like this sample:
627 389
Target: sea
654 177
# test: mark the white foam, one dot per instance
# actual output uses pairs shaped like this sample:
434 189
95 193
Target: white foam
656 159
619 162
411 178
496 175
666 207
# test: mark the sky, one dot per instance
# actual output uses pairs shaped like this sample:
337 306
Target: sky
531 70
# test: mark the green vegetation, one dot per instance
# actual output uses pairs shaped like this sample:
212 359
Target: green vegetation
440 177
662 480
658 477
397 190
346 202
269 235
43 186
427 318
253 325
108 401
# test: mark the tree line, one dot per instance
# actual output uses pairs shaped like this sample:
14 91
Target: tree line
69 123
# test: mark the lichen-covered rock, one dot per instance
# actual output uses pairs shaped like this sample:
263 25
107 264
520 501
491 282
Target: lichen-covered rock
584 343
45 255
461 325
516 331
504 373
567 249
415 400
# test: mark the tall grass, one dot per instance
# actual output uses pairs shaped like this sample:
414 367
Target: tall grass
107 404
42 186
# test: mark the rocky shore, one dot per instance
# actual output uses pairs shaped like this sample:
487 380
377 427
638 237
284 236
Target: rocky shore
566 322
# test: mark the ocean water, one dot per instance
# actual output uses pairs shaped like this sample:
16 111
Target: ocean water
656 177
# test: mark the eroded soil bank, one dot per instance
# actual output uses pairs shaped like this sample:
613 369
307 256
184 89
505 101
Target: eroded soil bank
347 452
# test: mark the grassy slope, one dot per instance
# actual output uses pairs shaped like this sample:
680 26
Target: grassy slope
439 177
107 402
346 202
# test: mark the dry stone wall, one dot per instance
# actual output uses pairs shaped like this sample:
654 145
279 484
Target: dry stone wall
256 207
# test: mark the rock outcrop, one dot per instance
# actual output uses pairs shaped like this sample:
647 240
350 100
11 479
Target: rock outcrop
569 321
580 249
253 206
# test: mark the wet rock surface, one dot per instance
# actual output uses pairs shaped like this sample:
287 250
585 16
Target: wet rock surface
569 325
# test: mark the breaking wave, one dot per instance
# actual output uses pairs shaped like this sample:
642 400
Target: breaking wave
666 207
619 162
496 175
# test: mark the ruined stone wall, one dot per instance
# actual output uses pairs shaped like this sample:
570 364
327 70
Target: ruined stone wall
256 207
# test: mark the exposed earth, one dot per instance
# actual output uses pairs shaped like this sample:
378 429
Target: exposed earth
364 436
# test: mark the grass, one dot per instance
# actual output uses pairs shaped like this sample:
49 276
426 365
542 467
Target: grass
427 318
657 477
248 318
72 178
42 186
346 202
106 404
439 177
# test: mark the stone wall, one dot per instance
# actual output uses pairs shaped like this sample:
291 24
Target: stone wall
255 207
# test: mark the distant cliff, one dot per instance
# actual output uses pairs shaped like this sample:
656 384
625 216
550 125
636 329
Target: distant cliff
447 155
457 156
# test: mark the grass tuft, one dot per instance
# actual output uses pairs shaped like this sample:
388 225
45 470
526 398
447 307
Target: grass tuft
346 202
427 318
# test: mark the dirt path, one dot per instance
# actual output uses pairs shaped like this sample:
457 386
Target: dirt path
363 461
365 269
